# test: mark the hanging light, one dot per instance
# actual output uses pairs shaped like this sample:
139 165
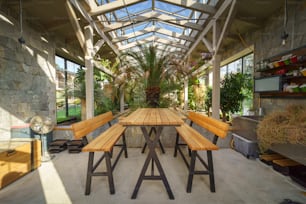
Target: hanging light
21 40
285 35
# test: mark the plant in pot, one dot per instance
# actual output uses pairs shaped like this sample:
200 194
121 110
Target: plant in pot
151 67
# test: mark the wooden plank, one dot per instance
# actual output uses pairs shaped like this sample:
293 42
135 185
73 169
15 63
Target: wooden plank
270 157
286 162
85 127
215 126
106 140
194 139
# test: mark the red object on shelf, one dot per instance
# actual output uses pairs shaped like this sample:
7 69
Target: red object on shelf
293 59
281 72
281 63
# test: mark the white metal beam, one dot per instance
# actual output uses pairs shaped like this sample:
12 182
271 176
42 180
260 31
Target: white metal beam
190 4
75 24
229 15
156 30
207 44
112 6
152 16
94 25
153 39
98 45
219 12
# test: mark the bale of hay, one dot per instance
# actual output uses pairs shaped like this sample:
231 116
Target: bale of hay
288 126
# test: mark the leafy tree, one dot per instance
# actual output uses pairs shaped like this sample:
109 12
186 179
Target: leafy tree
232 93
152 68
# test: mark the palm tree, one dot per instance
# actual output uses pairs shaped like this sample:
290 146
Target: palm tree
152 67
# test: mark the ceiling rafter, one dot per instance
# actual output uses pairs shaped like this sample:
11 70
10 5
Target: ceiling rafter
155 40
156 30
190 4
112 6
94 25
152 16
210 24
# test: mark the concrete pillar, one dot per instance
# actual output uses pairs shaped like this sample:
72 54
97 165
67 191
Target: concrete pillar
216 87
122 98
89 76
186 94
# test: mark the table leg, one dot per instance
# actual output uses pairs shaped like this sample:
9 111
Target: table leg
152 156
160 144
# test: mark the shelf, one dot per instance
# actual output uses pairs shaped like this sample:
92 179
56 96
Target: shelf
282 95
286 67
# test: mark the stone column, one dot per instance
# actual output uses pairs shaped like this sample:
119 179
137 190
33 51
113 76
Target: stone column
186 94
216 87
122 98
89 76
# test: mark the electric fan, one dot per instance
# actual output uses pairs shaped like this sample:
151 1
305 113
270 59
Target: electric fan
42 126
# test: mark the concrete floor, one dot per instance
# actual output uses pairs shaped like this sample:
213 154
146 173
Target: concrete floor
238 180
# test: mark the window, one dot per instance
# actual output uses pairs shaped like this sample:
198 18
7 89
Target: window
67 104
244 65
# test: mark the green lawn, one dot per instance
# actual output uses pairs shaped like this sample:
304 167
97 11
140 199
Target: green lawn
73 111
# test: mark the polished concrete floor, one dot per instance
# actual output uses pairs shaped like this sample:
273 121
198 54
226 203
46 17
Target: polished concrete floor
238 180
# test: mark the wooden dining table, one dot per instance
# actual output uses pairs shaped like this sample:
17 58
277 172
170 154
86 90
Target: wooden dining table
146 119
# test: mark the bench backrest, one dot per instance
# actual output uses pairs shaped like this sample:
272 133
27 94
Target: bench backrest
217 127
83 128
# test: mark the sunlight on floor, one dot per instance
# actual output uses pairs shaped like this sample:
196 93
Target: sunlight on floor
52 185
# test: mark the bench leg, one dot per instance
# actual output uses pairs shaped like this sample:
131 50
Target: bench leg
176 144
191 170
89 173
211 171
124 146
109 172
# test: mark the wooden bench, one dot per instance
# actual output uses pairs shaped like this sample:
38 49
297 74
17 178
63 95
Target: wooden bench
103 143
197 142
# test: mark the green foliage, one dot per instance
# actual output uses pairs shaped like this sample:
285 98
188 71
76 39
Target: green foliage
102 103
151 70
150 65
208 100
234 89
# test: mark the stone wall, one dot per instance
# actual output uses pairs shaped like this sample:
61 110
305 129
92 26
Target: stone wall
267 43
27 73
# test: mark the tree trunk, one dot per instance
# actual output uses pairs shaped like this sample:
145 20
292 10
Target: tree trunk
152 96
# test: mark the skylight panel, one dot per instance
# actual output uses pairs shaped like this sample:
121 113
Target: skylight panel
166 37
170 27
143 36
170 8
137 27
120 13
102 2
136 8
184 12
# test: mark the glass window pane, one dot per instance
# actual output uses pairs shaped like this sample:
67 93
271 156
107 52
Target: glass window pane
59 63
223 72
235 66
248 64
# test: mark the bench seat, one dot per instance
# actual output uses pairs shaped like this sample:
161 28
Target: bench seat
106 140
197 142
105 143
194 139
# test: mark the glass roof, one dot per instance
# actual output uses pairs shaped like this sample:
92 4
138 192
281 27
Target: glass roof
155 21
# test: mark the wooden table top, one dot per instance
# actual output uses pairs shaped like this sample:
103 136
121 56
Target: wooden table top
152 117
